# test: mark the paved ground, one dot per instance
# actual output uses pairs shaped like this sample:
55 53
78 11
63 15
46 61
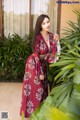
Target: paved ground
10 99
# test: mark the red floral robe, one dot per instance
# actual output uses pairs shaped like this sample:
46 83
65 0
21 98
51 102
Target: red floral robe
34 91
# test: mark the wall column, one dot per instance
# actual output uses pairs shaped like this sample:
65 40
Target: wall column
59 18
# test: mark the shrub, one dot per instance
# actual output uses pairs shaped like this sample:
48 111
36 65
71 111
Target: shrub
14 51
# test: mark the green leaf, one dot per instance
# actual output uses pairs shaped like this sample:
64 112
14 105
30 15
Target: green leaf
74 53
62 63
68 67
77 76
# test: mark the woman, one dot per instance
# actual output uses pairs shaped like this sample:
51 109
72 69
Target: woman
35 88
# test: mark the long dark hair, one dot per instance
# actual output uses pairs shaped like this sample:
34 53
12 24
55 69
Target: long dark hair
38 28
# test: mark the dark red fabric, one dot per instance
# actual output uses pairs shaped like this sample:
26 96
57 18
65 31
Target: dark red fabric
34 91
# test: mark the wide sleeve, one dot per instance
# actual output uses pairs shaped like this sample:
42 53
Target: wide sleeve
58 52
53 50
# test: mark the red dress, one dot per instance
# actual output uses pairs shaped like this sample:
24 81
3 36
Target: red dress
34 91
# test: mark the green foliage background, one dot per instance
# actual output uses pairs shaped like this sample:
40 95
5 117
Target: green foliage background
14 51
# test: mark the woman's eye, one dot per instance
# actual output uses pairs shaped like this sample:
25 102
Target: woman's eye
43 23
47 21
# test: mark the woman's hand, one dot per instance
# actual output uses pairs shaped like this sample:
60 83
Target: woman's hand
41 77
56 37
46 56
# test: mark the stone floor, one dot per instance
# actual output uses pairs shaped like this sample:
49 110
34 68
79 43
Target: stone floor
10 99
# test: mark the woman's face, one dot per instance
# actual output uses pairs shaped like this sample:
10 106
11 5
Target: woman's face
45 24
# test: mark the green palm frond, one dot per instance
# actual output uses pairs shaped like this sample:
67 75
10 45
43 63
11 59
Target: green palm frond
56 106
55 114
62 63
74 26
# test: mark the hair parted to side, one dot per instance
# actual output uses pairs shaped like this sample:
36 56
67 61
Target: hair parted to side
38 28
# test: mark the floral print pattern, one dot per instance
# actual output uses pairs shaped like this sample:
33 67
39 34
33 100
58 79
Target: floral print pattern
31 64
27 75
36 80
34 91
30 107
27 90
39 94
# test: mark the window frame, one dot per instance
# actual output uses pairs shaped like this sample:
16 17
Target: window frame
30 17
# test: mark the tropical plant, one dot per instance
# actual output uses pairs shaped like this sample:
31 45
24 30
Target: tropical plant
14 51
70 51
63 103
